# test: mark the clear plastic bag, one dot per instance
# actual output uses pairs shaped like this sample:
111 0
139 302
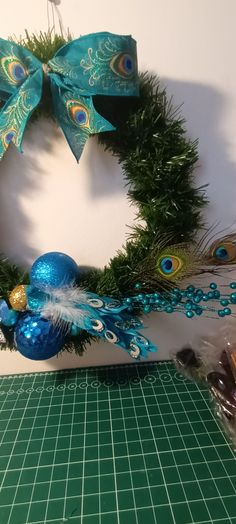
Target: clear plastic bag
212 359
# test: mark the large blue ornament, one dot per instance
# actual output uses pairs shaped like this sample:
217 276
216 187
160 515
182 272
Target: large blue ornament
53 270
37 338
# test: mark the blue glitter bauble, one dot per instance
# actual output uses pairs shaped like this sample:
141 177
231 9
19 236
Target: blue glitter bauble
35 298
8 317
37 338
54 270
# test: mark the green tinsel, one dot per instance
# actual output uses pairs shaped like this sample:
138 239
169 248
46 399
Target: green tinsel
157 161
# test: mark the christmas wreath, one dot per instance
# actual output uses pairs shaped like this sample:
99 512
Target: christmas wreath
56 307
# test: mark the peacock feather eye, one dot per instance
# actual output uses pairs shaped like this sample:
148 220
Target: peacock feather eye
224 253
78 113
123 65
169 265
221 254
14 70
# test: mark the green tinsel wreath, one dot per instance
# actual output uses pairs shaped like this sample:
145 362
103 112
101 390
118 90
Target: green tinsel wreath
157 161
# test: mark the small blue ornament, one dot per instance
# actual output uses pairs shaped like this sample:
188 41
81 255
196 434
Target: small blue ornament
35 298
8 317
53 270
37 338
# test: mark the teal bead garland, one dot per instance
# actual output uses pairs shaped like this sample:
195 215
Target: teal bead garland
190 301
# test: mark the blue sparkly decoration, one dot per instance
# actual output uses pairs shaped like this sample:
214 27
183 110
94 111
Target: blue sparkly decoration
35 298
53 270
37 338
8 317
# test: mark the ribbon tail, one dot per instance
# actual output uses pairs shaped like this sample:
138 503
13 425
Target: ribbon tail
76 115
17 111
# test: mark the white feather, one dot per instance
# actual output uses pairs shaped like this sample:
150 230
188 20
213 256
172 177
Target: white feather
63 305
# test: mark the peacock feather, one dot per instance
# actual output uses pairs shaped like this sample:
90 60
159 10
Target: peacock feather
174 263
164 265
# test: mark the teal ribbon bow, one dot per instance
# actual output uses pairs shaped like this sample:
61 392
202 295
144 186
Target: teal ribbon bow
95 64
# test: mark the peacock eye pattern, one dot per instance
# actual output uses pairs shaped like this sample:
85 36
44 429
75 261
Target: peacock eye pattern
14 70
78 113
8 136
124 65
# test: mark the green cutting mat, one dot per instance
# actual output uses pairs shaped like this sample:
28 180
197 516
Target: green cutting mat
117 445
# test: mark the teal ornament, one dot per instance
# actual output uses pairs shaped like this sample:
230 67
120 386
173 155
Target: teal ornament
37 338
95 64
8 317
53 270
35 298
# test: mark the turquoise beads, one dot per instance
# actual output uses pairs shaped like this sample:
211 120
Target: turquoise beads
191 301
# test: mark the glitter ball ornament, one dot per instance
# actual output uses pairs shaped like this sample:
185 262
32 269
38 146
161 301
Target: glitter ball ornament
8 317
18 299
53 270
37 338
36 298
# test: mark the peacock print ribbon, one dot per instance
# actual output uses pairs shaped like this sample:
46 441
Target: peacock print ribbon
96 64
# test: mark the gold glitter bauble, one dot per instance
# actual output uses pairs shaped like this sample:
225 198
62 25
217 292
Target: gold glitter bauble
18 298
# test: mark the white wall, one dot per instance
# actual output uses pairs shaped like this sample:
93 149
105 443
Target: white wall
48 202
